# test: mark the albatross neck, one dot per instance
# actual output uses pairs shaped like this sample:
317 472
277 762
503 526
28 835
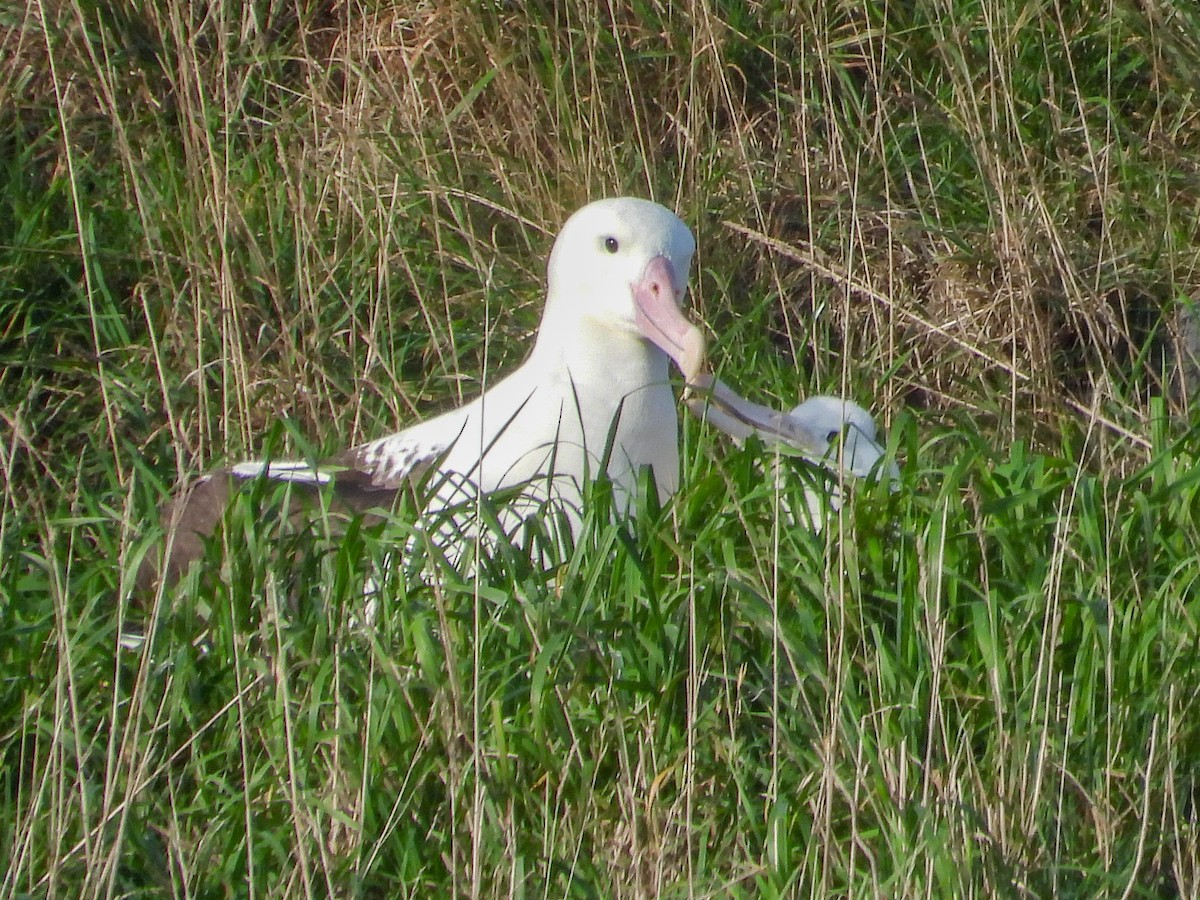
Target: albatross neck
595 351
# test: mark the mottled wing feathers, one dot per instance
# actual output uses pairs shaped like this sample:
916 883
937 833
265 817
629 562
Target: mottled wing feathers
390 463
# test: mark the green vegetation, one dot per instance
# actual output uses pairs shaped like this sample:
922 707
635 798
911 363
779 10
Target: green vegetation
232 227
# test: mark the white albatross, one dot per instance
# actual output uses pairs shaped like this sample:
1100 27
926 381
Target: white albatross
593 396
858 453
833 432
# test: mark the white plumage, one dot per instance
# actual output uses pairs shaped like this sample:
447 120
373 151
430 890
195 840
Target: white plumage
856 453
593 396
830 418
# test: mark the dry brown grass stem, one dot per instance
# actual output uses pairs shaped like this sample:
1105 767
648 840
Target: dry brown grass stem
820 263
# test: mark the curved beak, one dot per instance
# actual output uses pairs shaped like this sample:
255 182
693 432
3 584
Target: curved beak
657 296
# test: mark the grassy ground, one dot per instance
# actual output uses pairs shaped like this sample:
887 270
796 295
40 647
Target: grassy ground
227 228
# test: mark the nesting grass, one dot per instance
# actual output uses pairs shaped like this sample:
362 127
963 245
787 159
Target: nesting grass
232 228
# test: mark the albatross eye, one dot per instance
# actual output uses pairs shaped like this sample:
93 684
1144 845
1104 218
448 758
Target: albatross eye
611 244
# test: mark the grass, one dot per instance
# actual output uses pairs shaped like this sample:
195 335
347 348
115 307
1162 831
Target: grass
231 228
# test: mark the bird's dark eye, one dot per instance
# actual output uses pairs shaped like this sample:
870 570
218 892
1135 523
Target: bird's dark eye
611 244
832 436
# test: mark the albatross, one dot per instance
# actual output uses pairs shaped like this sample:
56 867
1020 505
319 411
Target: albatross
594 396
859 454
832 432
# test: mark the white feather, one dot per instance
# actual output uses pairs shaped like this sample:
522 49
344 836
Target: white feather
289 470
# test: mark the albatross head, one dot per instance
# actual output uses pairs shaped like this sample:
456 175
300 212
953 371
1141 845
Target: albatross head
623 264
831 417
